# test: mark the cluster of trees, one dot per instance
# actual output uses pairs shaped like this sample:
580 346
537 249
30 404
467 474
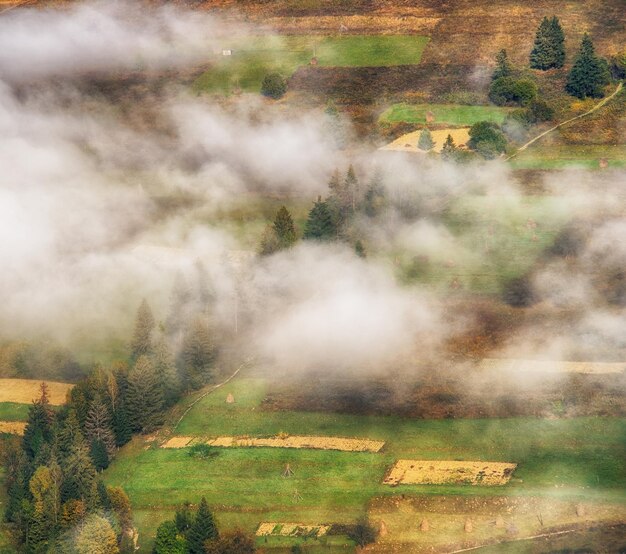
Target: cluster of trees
330 218
197 533
56 502
38 360
274 86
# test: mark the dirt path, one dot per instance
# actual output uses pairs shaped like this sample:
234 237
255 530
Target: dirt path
596 107
209 391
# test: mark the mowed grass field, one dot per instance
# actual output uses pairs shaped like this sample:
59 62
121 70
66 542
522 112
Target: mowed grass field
564 156
254 57
577 458
445 114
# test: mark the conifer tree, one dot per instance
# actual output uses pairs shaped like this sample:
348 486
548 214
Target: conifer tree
166 372
359 249
374 199
549 49
320 224
503 66
80 476
352 188
120 504
169 540
99 454
284 228
589 74
70 434
425 141
39 427
180 300
144 325
449 148
183 519
202 529
98 426
197 353
144 399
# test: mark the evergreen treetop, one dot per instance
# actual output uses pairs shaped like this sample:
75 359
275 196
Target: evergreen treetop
142 336
320 224
503 66
202 529
549 48
589 74
284 228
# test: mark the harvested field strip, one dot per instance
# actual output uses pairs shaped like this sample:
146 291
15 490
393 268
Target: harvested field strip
291 530
316 443
430 472
408 142
24 391
592 368
12 427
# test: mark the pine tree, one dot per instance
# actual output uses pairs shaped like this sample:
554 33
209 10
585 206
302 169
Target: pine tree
425 141
142 336
549 49
121 425
359 249
374 199
352 188
503 66
558 42
335 184
198 353
168 540
449 148
45 494
166 372
144 398
80 476
589 74
98 426
202 529
284 228
39 427
70 434
183 519
320 224
99 454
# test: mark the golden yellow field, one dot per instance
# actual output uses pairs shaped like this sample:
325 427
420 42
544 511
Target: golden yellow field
24 391
408 142
430 472
318 443
12 427
288 529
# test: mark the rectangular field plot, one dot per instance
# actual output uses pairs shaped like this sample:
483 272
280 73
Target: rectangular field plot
315 443
12 427
431 472
267 529
548 366
447 114
24 391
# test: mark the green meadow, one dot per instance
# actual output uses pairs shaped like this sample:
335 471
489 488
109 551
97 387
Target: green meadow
443 114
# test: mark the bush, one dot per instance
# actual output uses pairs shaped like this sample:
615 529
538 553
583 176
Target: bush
519 293
539 111
487 139
202 451
274 86
508 90
362 533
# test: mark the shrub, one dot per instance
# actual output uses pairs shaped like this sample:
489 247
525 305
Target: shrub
202 451
519 293
508 90
362 533
274 86
487 139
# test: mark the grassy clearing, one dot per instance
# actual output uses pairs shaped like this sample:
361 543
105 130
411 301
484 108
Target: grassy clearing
570 156
565 458
11 411
448 114
24 391
254 57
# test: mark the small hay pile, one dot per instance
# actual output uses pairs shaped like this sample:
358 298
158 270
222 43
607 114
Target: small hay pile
430 472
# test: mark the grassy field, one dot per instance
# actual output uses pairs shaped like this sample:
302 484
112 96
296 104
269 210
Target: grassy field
254 57
12 411
540 156
578 458
448 114
491 241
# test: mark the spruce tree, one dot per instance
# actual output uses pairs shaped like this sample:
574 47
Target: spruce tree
425 141
549 49
197 353
39 427
98 426
449 148
168 540
320 224
352 188
359 249
166 372
144 325
202 529
80 476
99 454
144 398
284 228
589 74
503 66
183 519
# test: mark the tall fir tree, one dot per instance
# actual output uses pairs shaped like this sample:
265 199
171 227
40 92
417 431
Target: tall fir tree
202 529
98 425
449 148
169 540
503 66
549 48
284 228
352 188
320 224
589 74
197 354
80 476
167 374
38 430
144 399
141 344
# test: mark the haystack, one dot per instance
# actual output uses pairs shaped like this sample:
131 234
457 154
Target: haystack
230 399
424 525
468 525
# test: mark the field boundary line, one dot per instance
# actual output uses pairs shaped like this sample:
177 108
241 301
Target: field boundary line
580 116
213 388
